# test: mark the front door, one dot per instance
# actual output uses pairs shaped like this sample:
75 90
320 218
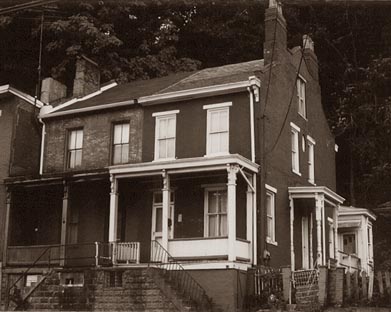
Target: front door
157 217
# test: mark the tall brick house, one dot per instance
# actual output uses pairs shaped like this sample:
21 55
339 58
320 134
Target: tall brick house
20 134
222 169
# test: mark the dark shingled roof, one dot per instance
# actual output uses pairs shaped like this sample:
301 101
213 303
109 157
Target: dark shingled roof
172 83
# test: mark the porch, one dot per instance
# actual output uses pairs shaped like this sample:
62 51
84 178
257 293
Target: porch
201 211
313 226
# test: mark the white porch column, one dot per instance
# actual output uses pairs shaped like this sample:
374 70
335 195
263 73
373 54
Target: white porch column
291 226
165 208
64 221
311 240
254 215
113 219
249 219
336 247
231 210
7 224
324 247
318 217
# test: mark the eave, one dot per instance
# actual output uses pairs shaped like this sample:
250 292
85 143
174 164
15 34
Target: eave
24 96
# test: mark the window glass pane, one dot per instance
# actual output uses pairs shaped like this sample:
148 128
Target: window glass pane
214 121
223 225
125 133
158 197
162 128
125 153
72 159
223 201
117 134
117 154
270 227
171 127
158 225
214 143
79 139
212 201
224 120
162 148
77 158
170 148
72 140
269 204
224 142
213 225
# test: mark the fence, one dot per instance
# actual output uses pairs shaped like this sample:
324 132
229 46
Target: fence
262 282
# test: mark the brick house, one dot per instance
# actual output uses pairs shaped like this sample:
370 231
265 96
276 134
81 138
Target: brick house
225 168
20 137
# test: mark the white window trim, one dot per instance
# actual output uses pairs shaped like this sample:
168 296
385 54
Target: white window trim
219 105
68 166
296 130
120 144
213 108
166 113
206 207
273 192
311 164
159 116
301 78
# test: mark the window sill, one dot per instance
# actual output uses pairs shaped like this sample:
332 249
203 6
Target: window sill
164 159
302 116
271 242
296 172
312 182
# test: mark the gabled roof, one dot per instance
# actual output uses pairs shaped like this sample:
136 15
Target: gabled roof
20 94
130 93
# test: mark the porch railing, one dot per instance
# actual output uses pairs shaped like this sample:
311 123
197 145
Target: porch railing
181 280
128 252
350 261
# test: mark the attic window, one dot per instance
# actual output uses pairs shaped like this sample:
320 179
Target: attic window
300 84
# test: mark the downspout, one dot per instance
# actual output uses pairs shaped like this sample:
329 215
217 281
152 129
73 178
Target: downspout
42 146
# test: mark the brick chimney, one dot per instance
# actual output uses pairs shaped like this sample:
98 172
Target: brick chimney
310 57
52 91
87 77
275 28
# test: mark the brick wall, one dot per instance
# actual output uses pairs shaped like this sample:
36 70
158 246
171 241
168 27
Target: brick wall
97 138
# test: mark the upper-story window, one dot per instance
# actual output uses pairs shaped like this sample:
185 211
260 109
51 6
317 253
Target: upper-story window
295 148
121 143
370 243
216 212
75 148
300 84
311 159
271 214
217 140
165 134
349 243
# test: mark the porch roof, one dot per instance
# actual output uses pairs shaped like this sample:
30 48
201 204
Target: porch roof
313 191
196 164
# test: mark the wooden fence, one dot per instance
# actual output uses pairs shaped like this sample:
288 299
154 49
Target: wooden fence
261 283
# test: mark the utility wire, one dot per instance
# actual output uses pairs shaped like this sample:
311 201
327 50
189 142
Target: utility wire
23 6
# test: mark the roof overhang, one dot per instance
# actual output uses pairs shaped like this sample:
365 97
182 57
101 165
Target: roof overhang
22 95
348 224
313 191
354 211
188 165
161 98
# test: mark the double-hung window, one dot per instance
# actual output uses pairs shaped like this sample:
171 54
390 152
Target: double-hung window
349 243
165 135
217 128
271 214
120 143
370 243
295 148
75 148
215 212
311 159
300 84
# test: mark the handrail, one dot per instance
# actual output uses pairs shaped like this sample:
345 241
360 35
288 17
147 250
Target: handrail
184 282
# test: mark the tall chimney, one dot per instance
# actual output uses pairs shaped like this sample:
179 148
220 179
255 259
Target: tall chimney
275 32
87 77
310 57
52 91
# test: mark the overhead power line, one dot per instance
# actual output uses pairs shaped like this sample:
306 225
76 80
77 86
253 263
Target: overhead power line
24 6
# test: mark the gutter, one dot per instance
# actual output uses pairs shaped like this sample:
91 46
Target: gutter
254 90
42 146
